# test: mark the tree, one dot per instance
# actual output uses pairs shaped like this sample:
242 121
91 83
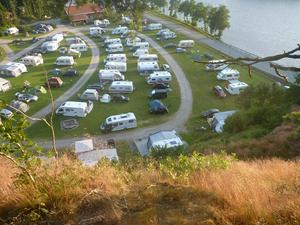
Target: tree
173 7
185 8
219 20
197 11
158 3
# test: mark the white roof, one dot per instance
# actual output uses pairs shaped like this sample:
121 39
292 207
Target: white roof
165 139
120 117
84 146
91 91
148 55
3 81
11 66
91 158
72 104
228 70
216 61
238 85
160 73
148 63
116 55
78 44
32 57
49 43
65 57
122 83
116 63
187 41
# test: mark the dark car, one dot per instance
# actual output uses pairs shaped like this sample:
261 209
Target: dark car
156 106
170 45
98 87
209 113
56 72
38 50
161 86
219 91
120 98
158 94
71 73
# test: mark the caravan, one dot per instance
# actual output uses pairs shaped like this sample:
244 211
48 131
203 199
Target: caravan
102 23
153 26
147 67
90 94
65 61
12 31
33 60
140 45
148 58
119 122
228 74
110 75
116 58
159 77
81 47
114 48
235 87
58 38
50 46
121 66
132 41
141 51
186 44
168 35
121 87
216 65
119 30
74 40
12 69
5 85
96 31
110 41
70 108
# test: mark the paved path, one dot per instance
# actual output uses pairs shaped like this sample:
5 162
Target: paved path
176 122
218 45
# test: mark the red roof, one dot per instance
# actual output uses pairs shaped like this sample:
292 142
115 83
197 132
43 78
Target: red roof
77 18
84 9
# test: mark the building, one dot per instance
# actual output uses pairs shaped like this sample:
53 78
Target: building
83 14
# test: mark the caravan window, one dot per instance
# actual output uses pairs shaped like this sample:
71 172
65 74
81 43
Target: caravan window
130 121
120 124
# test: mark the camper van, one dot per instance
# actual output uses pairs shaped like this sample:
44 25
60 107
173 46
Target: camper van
153 26
74 40
216 65
119 122
12 69
58 38
140 45
119 30
114 48
81 47
12 31
148 58
168 35
71 108
131 41
228 74
116 58
160 32
121 66
65 61
90 94
32 60
121 87
102 23
186 44
140 51
235 87
110 75
147 67
110 41
50 46
159 77
5 85
96 31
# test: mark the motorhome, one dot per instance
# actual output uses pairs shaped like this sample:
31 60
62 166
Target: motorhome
12 69
160 32
159 77
119 122
228 74
114 48
216 65
168 35
140 45
65 61
153 26
102 23
116 58
96 31
235 87
119 30
110 75
5 85
74 53
32 60
131 41
121 87
12 31
81 47
110 41
90 94
186 44
148 58
74 40
140 51
121 66
50 46
71 108
147 67
58 38
164 139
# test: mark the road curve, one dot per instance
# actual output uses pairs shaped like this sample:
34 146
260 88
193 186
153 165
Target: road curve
176 122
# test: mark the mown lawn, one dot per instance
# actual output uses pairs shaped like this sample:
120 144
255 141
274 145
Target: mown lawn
20 46
2 54
138 104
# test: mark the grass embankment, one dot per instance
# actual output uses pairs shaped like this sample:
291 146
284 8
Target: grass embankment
138 104
2 54
258 192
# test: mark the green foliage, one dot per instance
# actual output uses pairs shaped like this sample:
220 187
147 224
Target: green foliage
218 20
161 153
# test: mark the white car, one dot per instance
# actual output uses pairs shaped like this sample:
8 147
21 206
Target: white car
6 114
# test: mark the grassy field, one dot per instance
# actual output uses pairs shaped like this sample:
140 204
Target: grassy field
138 104
2 54
19 47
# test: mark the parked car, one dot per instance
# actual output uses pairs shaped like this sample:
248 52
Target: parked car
180 50
56 72
120 98
25 97
218 90
161 86
71 73
6 114
35 39
170 45
209 113
166 67
98 87
158 94
63 50
156 106
38 50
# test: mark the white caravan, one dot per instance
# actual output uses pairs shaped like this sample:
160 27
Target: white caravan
140 51
228 74
139 45
168 35
90 94
32 60
12 31
50 46
119 30
5 85
58 38
186 44
102 23
148 58
235 87
116 58
74 53
147 67
12 69
121 66
114 48
110 75
112 41
131 41
121 87
160 32
216 65
119 122
154 26
81 47
159 77
74 40
71 108
65 61
164 139
95 31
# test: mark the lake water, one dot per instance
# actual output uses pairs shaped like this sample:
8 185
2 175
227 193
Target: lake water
263 27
